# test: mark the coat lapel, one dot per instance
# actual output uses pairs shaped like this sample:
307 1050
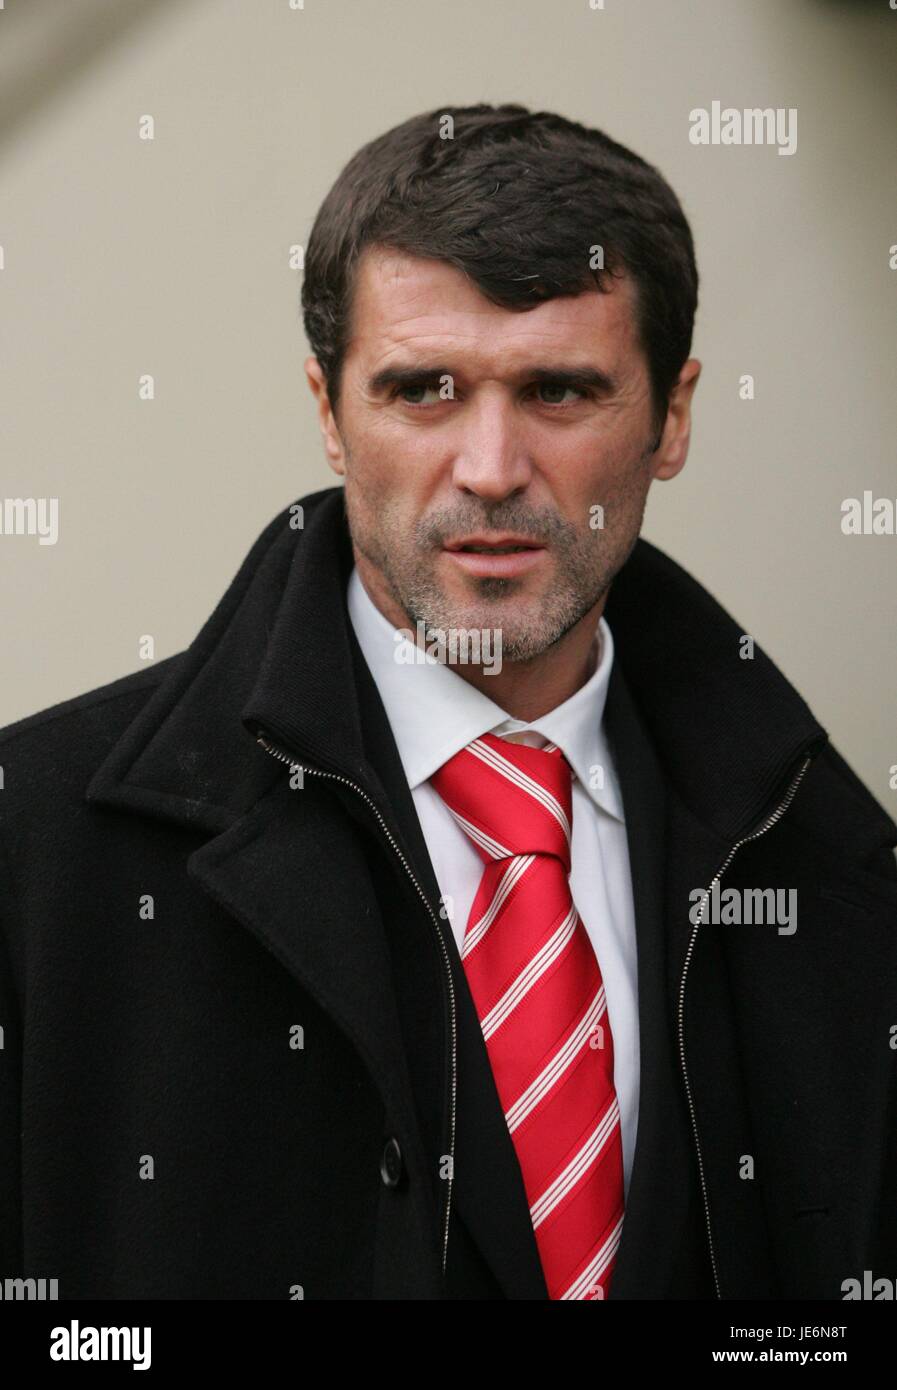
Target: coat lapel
292 874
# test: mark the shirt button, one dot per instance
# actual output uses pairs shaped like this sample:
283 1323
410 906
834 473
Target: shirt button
391 1163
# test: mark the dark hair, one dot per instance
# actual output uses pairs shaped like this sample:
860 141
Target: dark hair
516 200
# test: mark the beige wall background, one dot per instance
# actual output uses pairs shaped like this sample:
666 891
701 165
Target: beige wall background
124 257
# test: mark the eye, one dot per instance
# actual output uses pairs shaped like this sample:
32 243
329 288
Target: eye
555 391
414 393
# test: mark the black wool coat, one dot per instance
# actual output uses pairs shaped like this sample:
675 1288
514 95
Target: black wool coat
239 1056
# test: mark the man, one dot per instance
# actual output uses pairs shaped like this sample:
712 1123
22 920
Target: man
347 958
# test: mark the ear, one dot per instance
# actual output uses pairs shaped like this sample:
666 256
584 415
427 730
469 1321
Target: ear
333 444
672 451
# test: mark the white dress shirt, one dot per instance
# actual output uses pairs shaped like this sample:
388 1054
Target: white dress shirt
434 713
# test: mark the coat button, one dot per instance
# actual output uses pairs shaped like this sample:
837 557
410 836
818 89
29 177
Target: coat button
391 1163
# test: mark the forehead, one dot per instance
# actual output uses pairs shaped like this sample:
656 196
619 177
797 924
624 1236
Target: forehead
408 306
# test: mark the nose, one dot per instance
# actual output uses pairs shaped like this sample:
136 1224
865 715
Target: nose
492 460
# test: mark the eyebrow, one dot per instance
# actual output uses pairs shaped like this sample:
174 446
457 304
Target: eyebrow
573 377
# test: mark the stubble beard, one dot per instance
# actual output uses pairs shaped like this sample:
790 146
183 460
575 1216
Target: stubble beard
584 565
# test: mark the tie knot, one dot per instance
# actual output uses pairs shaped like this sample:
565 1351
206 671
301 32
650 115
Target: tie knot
509 798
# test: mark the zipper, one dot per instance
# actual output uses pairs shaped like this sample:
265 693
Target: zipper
771 820
263 739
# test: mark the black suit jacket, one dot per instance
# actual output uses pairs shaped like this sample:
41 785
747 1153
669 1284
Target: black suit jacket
240 1059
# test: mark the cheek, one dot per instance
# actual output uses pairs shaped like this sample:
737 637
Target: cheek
401 470
607 496
371 469
379 499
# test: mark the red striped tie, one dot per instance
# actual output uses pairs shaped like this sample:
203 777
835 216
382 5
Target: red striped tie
540 1000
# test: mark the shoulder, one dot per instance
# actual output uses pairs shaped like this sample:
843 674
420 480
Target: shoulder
841 812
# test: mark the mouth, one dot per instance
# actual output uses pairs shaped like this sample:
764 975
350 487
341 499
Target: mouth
500 556
503 544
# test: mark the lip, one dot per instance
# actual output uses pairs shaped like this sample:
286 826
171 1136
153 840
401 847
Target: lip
496 538
495 566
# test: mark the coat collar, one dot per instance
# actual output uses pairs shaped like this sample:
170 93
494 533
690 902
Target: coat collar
279 653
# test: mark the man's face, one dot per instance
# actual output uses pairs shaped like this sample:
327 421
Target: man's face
463 424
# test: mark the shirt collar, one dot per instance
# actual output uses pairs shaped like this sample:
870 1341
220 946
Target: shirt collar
434 712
